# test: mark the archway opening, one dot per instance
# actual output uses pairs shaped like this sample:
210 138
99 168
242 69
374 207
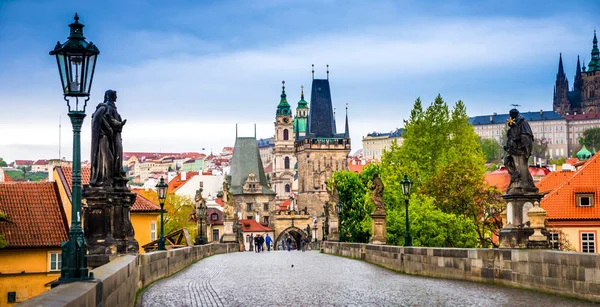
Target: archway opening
296 236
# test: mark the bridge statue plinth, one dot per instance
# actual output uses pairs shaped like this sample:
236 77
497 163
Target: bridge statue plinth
379 229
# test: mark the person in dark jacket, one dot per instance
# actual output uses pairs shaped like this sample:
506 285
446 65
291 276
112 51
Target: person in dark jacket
261 241
256 242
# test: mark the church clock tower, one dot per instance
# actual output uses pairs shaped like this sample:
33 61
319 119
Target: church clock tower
284 158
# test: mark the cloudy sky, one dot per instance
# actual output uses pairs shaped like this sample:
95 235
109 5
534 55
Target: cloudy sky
188 71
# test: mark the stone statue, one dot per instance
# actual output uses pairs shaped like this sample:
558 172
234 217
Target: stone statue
229 210
334 198
309 233
377 195
518 148
107 148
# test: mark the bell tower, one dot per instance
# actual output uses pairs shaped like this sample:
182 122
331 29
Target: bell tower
284 159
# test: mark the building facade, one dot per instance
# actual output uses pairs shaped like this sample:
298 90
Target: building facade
375 143
584 97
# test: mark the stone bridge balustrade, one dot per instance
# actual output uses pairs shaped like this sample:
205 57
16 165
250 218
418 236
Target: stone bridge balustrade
117 282
565 273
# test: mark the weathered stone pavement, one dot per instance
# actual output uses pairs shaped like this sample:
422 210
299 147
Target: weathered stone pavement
268 279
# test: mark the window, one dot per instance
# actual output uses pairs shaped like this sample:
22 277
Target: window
214 216
554 240
12 297
215 235
55 261
249 217
249 207
265 207
286 162
287 188
265 220
152 231
286 134
588 242
585 200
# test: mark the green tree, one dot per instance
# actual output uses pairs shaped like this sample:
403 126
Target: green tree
178 211
430 227
540 148
351 191
559 161
3 242
591 138
3 163
491 149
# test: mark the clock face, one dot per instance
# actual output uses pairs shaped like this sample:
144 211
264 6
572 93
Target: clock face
286 120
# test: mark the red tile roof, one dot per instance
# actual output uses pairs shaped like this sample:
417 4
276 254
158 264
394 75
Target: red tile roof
23 162
220 201
7 178
141 204
177 181
582 116
34 215
571 161
283 206
561 202
40 162
251 225
501 179
553 180
219 220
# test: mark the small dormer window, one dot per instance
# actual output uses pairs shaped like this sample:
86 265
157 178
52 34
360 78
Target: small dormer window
585 199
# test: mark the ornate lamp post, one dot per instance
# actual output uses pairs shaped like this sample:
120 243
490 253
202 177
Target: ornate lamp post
161 189
323 227
76 59
406 186
315 227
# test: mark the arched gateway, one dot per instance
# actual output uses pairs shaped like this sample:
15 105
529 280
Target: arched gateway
296 233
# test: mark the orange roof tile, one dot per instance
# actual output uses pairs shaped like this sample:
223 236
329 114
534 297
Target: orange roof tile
553 180
250 225
561 203
500 180
141 204
177 181
7 178
220 201
571 161
34 215
284 205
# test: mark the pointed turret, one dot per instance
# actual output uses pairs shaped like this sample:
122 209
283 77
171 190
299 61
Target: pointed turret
301 119
594 64
347 130
561 71
283 109
578 82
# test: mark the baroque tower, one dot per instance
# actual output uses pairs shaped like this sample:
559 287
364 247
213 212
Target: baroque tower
283 153
321 150
590 92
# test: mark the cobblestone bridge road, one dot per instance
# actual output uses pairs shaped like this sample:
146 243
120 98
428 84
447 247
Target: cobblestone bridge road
268 279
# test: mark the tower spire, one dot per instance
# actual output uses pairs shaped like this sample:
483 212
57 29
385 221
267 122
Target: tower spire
578 83
561 71
283 109
313 71
327 71
594 64
301 91
347 130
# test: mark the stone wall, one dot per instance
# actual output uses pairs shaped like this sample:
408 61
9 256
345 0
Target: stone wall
565 273
116 283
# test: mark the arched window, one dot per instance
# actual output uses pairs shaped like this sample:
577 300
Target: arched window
287 188
286 135
286 162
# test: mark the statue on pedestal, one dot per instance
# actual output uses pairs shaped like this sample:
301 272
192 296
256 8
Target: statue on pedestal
518 147
108 229
379 214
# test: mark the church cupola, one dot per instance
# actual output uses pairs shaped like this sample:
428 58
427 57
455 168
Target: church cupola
584 154
283 109
301 115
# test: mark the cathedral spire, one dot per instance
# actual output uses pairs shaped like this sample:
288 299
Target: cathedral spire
594 64
561 71
347 130
578 83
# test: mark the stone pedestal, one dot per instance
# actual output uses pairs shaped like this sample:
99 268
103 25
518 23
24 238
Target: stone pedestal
516 231
228 235
107 224
537 218
334 234
379 229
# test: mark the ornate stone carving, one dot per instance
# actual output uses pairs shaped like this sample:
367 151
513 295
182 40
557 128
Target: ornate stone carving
518 147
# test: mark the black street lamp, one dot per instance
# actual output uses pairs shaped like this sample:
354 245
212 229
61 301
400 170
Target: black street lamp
161 189
406 186
76 60
315 227
323 226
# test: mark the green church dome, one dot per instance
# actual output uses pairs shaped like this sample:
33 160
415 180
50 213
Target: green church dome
584 154
283 109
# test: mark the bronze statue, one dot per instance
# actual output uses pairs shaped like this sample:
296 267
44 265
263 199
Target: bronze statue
107 147
377 195
518 148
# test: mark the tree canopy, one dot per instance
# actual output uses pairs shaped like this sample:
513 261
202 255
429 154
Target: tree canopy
491 149
179 209
591 138
3 163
